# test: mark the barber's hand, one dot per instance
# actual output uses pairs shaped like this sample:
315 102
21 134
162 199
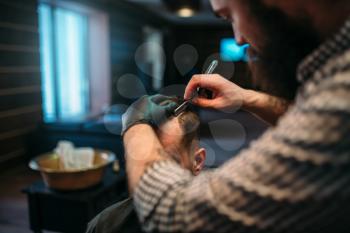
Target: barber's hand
153 110
227 96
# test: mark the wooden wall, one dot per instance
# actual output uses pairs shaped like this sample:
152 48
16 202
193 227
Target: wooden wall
20 82
20 89
127 21
206 40
126 24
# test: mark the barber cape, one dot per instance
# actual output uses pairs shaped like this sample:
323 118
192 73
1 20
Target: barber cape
118 218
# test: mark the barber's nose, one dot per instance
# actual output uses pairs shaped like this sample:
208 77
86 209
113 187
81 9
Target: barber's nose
238 36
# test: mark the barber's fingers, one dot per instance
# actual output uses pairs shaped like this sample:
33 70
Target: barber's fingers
204 102
207 81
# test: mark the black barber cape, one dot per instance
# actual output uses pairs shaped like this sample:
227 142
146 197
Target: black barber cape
118 218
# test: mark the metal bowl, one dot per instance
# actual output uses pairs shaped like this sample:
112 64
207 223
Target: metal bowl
73 179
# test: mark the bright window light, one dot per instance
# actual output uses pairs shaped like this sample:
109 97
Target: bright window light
64 50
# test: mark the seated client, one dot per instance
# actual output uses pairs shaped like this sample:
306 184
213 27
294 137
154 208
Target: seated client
179 137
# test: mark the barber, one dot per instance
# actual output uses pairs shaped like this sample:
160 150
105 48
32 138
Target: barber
296 177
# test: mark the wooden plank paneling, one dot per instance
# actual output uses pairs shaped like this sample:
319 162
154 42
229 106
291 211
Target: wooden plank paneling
10 58
20 111
18 37
19 27
17 133
19 48
20 90
19 121
21 100
20 85
205 40
18 14
17 154
19 69
15 80
127 22
25 5
8 145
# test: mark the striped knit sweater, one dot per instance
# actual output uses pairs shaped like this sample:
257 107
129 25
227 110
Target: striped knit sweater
295 178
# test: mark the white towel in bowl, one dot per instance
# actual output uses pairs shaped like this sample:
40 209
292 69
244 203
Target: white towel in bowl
74 158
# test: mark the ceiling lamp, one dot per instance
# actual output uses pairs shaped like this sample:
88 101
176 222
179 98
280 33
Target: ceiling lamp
185 12
183 8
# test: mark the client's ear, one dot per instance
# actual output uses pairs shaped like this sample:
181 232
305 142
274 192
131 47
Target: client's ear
199 161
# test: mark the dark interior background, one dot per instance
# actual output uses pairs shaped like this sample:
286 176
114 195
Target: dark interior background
20 83
22 131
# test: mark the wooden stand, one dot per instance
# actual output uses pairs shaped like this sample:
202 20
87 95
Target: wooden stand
69 212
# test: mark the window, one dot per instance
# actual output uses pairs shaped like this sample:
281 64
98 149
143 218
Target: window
69 73
155 55
231 51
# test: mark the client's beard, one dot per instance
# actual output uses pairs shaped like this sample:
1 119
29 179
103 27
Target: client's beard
274 67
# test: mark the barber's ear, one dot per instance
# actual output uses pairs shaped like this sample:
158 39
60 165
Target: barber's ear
199 161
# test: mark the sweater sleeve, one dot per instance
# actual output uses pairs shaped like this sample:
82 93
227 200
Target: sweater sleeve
295 178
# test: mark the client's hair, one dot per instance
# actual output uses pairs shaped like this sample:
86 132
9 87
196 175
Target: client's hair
189 122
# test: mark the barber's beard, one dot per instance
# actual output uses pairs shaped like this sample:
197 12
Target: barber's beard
274 67
274 75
